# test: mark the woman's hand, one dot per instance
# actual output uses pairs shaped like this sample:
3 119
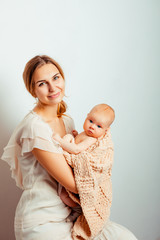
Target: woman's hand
56 165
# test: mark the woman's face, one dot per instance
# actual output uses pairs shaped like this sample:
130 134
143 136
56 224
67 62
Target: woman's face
48 84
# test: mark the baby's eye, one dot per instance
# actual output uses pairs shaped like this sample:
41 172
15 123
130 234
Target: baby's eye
98 126
91 121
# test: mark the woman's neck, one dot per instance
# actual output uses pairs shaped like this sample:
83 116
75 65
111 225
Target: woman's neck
48 113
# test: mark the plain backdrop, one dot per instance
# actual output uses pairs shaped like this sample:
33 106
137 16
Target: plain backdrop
110 52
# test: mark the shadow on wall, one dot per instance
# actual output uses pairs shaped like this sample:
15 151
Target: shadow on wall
10 194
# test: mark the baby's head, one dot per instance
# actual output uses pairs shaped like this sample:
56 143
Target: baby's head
99 120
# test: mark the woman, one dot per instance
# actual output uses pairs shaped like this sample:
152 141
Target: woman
37 161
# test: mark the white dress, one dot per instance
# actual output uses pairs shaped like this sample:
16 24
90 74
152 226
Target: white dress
40 214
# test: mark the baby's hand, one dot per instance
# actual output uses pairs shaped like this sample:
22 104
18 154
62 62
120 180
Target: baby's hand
56 137
75 133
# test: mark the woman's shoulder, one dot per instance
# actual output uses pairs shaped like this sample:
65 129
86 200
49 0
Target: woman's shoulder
33 119
31 126
67 118
69 123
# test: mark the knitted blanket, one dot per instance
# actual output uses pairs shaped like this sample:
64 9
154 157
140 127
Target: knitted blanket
92 170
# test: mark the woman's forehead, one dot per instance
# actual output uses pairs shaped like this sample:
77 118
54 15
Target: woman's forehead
45 72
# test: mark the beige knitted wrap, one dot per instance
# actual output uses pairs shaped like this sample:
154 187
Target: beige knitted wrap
92 169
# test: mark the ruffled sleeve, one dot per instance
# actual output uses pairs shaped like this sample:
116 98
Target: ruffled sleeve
10 156
31 133
38 135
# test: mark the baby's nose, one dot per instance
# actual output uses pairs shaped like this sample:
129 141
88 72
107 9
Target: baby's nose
92 126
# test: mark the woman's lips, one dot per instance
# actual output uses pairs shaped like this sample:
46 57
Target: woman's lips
54 95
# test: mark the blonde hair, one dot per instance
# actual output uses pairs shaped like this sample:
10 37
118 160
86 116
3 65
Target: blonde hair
35 63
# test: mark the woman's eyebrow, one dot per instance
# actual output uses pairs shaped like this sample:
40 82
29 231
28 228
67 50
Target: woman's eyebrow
45 80
40 81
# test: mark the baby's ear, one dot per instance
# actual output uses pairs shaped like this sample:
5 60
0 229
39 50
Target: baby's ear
107 129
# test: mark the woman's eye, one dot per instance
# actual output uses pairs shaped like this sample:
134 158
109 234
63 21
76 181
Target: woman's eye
91 121
98 126
41 84
56 77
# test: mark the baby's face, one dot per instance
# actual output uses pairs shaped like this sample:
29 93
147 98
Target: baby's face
95 125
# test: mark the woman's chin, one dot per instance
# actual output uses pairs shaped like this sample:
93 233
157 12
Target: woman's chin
55 101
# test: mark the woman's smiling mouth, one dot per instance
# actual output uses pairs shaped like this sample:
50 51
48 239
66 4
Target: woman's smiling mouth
54 95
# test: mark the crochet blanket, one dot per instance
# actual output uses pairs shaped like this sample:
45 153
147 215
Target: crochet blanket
92 170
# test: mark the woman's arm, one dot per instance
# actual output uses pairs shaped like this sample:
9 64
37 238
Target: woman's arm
57 167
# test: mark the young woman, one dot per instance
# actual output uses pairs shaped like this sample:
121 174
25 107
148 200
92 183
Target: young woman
37 162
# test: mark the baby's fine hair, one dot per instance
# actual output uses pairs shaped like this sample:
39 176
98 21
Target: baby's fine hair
106 110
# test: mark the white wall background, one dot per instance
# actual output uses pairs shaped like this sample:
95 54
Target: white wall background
110 53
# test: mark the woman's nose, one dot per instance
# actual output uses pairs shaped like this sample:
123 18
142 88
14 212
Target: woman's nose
51 87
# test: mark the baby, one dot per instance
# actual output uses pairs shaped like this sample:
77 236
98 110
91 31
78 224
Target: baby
96 125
